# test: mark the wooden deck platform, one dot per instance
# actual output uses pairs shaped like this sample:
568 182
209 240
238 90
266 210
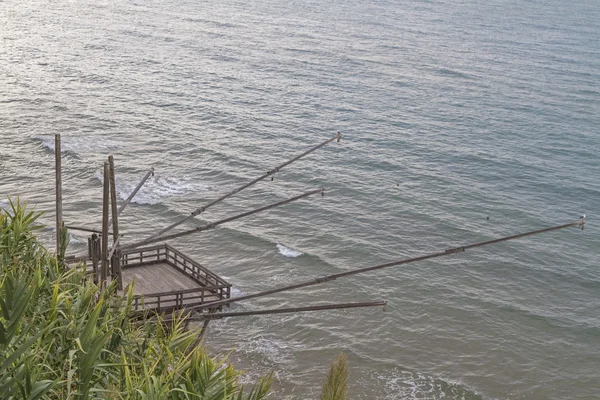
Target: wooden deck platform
167 280
156 278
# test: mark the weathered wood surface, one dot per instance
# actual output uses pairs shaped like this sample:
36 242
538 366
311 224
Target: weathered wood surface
166 279
115 262
105 239
166 253
59 210
155 278
162 287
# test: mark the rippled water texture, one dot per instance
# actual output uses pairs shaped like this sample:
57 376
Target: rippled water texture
462 120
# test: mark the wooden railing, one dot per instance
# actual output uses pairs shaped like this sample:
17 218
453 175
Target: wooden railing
211 287
145 256
174 300
193 269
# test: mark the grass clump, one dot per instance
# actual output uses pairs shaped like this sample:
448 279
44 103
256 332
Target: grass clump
335 386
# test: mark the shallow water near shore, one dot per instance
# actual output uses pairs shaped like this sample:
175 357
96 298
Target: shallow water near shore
462 121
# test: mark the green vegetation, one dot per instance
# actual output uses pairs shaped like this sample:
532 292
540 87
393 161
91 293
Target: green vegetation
63 338
336 384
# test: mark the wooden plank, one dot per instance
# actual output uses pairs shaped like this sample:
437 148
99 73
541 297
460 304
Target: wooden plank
116 265
290 310
144 249
59 216
95 258
136 263
161 287
105 239
157 278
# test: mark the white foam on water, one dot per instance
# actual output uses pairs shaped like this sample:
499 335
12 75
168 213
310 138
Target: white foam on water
407 385
235 292
78 143
403 384
272 350
74 239
288 252
156 189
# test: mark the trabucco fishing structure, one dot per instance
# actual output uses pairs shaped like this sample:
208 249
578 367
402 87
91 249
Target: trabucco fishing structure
167 280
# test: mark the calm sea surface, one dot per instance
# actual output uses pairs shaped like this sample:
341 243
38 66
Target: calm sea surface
463 121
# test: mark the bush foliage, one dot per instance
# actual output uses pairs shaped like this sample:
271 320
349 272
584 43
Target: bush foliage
61 337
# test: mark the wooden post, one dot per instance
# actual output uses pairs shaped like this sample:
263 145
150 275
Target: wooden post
94 251
59 217
116 266
105 239
115 262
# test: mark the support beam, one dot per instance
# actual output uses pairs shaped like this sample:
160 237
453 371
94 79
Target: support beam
59 215
105 236
271 172
94 252
82 229
580 223
215 224
114 262
220 315
137 189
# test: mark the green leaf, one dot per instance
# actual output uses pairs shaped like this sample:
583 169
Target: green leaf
335 386
21 350
40 388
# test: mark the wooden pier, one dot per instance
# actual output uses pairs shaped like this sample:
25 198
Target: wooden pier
167 280
163 279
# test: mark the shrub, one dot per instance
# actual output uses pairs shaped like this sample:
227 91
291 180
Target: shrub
62 337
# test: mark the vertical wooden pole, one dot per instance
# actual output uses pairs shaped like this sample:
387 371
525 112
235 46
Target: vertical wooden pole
115 262
59 219
94 250
105 239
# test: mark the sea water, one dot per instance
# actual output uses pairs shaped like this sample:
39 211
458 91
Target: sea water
462 121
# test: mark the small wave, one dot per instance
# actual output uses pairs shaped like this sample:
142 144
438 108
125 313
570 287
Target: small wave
74 239
413 385
155 189
235 292
76 144
288 252
453 73
273 350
